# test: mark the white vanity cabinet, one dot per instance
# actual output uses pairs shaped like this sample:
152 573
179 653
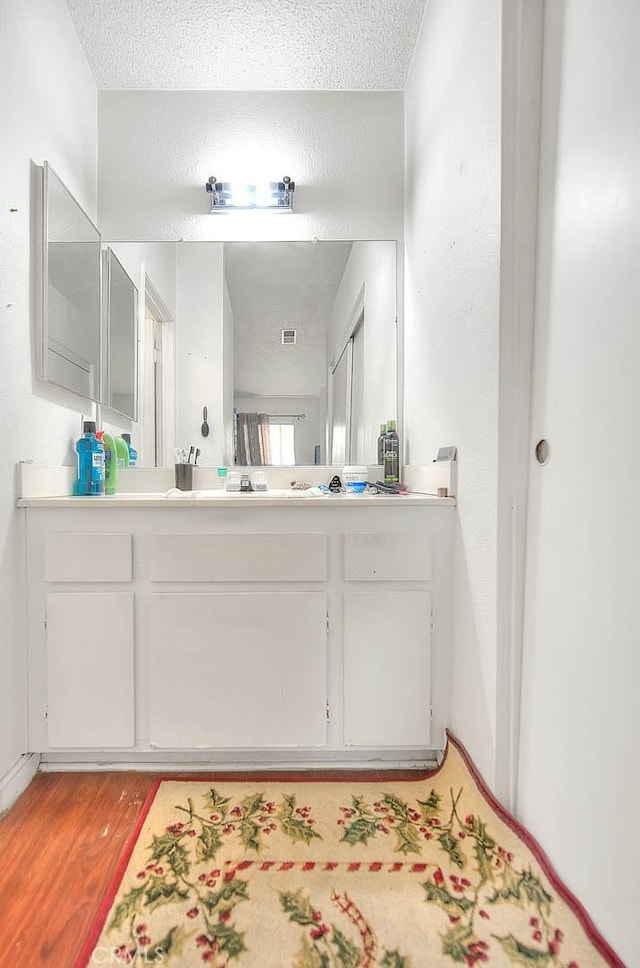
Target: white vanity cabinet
311 632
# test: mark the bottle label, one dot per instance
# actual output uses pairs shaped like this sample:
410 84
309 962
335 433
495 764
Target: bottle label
97 459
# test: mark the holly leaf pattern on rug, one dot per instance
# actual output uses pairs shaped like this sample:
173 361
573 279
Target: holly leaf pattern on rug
348 953
483 847
450 845
218 901
411 825
461 945
522 954
520 888
454 906
391 959
208 843
171 944
298 907
168 848
429 808
161 891
218 804
364 825
309 957
295 822
250 820
126 907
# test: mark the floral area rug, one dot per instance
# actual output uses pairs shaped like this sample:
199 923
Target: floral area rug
338 874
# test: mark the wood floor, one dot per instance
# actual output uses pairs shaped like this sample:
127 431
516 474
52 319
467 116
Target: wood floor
59 846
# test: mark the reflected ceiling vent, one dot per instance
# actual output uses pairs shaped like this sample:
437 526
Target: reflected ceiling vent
289 337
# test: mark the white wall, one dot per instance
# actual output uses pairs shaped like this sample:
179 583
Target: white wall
580 740
157 150
200 349
370 280
452 177
227 374
49 106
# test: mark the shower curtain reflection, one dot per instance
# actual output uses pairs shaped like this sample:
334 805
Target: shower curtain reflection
253 446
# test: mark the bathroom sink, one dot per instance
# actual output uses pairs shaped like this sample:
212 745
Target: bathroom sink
253 495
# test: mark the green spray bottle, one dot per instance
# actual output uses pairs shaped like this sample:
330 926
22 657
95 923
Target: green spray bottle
110 462
122 452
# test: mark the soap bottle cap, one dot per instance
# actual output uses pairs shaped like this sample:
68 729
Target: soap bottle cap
89 427
391 425
383 429
126 438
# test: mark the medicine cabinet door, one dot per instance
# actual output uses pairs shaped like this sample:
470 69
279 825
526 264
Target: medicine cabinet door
69 351
121 319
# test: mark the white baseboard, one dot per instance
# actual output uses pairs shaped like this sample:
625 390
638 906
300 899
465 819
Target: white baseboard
17 779
188 762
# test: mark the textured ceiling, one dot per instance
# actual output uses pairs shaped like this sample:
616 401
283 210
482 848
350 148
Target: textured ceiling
341 45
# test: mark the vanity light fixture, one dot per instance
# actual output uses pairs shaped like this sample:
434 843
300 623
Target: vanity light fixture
269 196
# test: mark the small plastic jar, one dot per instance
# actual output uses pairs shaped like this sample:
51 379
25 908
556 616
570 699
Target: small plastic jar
354 478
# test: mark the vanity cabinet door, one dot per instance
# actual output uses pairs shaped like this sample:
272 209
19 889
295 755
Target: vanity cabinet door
90 656
237 670
387 668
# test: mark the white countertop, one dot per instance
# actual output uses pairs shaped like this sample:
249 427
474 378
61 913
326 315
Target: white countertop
221 498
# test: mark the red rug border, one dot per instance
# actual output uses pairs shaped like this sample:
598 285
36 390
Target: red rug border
572 902
347 776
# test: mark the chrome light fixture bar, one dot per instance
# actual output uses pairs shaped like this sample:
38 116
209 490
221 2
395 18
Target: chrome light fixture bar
270 196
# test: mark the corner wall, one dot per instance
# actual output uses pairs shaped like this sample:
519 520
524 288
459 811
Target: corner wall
49 105
452 297
200 338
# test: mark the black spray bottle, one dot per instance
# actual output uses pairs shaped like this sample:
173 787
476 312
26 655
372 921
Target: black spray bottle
391 454
383 430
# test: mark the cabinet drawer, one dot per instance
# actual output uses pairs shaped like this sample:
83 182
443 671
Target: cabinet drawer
387 557
238 557
87 556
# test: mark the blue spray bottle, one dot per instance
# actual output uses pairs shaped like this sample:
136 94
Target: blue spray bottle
90 462
133 453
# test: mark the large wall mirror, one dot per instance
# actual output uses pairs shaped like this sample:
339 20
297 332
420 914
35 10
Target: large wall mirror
69 292
276 353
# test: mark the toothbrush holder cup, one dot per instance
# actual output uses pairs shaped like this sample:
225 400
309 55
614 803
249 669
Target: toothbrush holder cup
184 477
